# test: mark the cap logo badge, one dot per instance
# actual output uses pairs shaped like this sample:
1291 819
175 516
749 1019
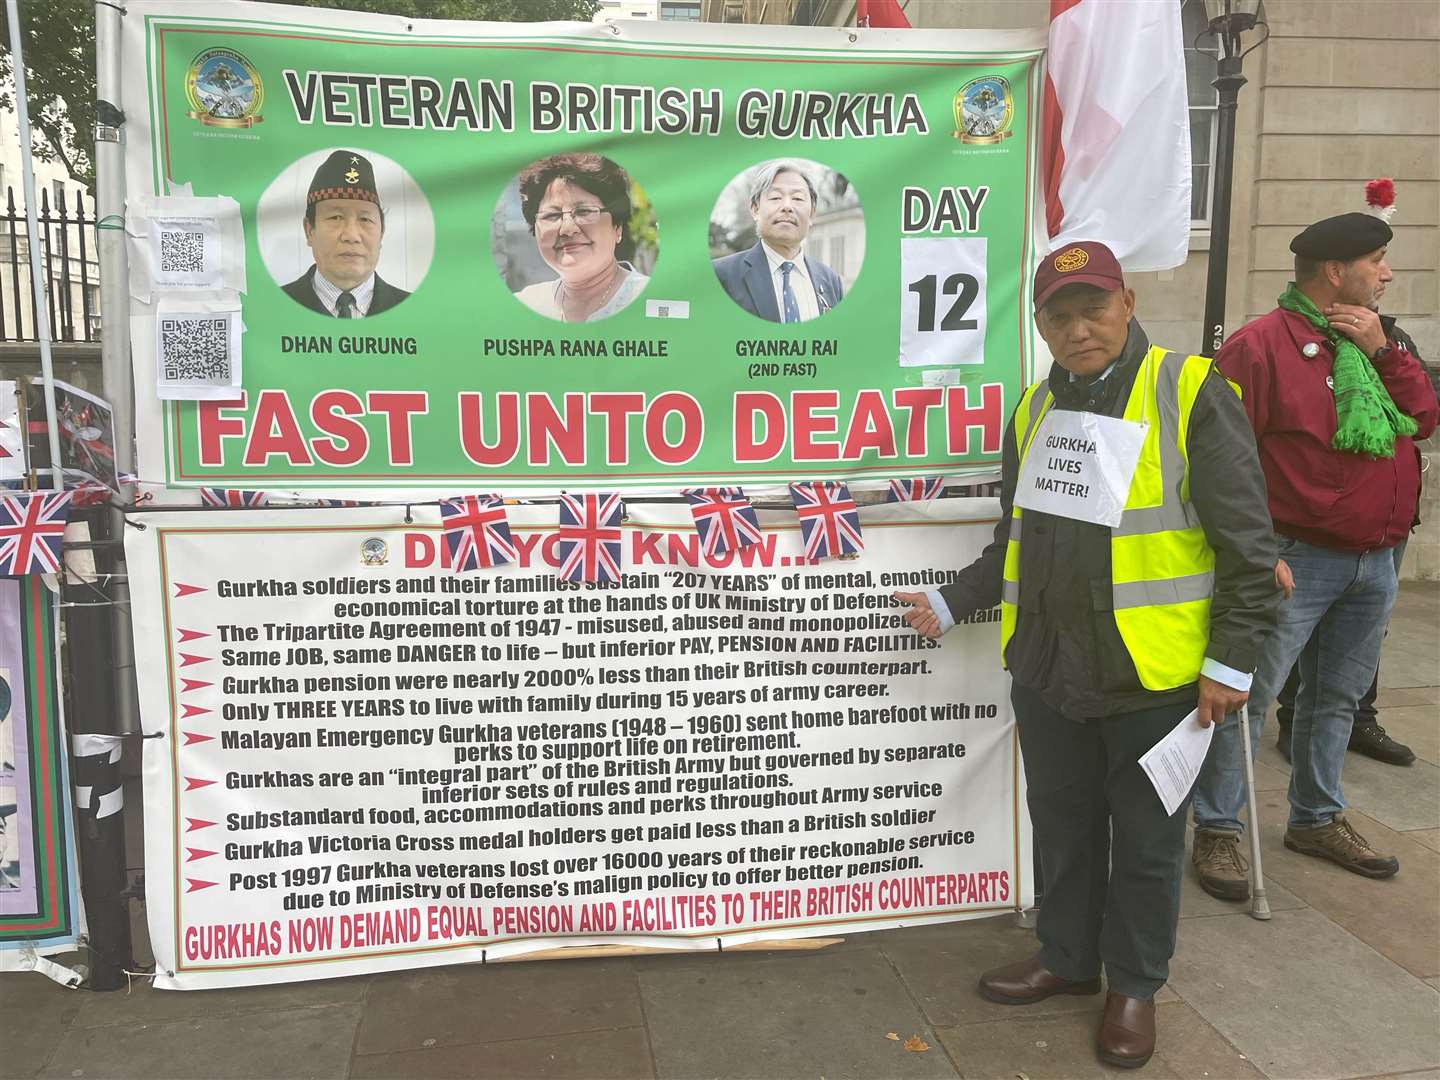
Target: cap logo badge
1069 261
352 175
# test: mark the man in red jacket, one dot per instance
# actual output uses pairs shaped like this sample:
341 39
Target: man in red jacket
1335 407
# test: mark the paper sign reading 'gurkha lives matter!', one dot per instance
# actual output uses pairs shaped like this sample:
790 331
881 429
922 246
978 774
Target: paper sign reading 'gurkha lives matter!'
1080 466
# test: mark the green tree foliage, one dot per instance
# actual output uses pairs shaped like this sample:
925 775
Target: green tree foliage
59 45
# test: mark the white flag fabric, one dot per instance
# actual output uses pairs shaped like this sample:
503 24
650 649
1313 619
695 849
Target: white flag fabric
1117 130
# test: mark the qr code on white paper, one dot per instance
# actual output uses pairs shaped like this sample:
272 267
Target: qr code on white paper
182 252
199 349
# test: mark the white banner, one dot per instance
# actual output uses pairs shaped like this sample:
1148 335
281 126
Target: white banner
370 762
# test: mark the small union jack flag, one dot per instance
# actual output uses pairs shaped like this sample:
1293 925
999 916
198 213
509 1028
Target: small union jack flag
724 517
232 498
829 519
476 532
918 489
590 537
32 526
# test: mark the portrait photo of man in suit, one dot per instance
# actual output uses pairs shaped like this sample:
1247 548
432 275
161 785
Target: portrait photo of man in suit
779 277
344 227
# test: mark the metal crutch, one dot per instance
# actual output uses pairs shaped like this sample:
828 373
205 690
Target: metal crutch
1259 905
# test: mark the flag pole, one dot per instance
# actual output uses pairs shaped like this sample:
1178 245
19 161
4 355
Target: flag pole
32 224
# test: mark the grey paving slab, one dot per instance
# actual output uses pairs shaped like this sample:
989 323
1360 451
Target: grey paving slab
1398 916
313 1042
1301 997
622 1054
35 1014
473 1004
1064 1046
1399 697
1417 726
1429 837
1402 797
1408 667
143 1004
826 1016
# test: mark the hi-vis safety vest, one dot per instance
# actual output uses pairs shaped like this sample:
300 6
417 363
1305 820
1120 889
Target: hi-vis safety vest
1162 568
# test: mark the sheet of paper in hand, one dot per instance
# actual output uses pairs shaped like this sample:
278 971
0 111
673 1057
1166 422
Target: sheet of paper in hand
1080 466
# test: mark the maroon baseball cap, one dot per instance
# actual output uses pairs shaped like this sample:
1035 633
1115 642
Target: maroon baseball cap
1086 262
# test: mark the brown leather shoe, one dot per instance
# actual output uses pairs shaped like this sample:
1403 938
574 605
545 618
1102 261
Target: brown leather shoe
1127 1031
1029 981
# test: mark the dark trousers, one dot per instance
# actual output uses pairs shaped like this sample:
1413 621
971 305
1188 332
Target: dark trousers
1111 857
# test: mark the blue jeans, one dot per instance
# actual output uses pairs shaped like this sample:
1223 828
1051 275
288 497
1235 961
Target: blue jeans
1333 625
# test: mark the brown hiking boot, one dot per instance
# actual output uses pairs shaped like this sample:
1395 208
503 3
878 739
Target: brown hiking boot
1341 844
1219 866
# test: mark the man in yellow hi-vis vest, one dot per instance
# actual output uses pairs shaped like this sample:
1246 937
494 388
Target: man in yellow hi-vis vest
1134 565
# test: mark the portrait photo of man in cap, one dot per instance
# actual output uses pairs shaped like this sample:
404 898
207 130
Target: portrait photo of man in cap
344 226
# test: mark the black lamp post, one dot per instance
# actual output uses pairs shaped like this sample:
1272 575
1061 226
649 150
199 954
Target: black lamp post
1229 19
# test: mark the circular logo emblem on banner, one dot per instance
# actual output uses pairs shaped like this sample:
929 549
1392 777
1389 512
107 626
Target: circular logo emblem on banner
1068 261
984 110
374 552
224 90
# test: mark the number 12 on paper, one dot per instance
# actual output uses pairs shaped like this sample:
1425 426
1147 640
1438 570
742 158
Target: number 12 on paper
942 300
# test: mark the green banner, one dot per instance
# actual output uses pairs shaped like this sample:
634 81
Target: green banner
527 257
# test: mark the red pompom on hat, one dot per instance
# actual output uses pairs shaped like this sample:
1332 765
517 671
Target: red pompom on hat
1380 198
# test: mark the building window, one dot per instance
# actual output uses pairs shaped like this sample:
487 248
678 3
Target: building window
680 10
1199 74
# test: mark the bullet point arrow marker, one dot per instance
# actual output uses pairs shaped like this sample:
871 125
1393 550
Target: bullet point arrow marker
182 589
190 635
193 737
194 783
196 884
193 684
196 854
186 659
196 824
193 710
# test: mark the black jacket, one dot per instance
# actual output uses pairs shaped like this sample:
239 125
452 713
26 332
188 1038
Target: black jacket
1067 646
385 296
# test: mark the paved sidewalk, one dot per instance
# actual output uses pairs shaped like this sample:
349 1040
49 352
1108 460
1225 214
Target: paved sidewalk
1343 982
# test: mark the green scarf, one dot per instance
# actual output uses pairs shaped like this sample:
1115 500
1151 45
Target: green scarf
1366 419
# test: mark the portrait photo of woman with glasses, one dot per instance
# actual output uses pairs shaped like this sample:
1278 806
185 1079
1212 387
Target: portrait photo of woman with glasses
593 231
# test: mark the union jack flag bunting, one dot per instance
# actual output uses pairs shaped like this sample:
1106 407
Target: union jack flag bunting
230 497
476 531
724 517
590 537
829 519
32 526
918 489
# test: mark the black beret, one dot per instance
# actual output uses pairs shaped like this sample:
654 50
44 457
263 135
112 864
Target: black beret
344 175
1345 236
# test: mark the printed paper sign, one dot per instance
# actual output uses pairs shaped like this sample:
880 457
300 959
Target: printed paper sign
185 253
1080 466
942 301
197 350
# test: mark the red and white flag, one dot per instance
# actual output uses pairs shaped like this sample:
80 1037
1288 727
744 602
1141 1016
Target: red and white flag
1116 137
881 14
